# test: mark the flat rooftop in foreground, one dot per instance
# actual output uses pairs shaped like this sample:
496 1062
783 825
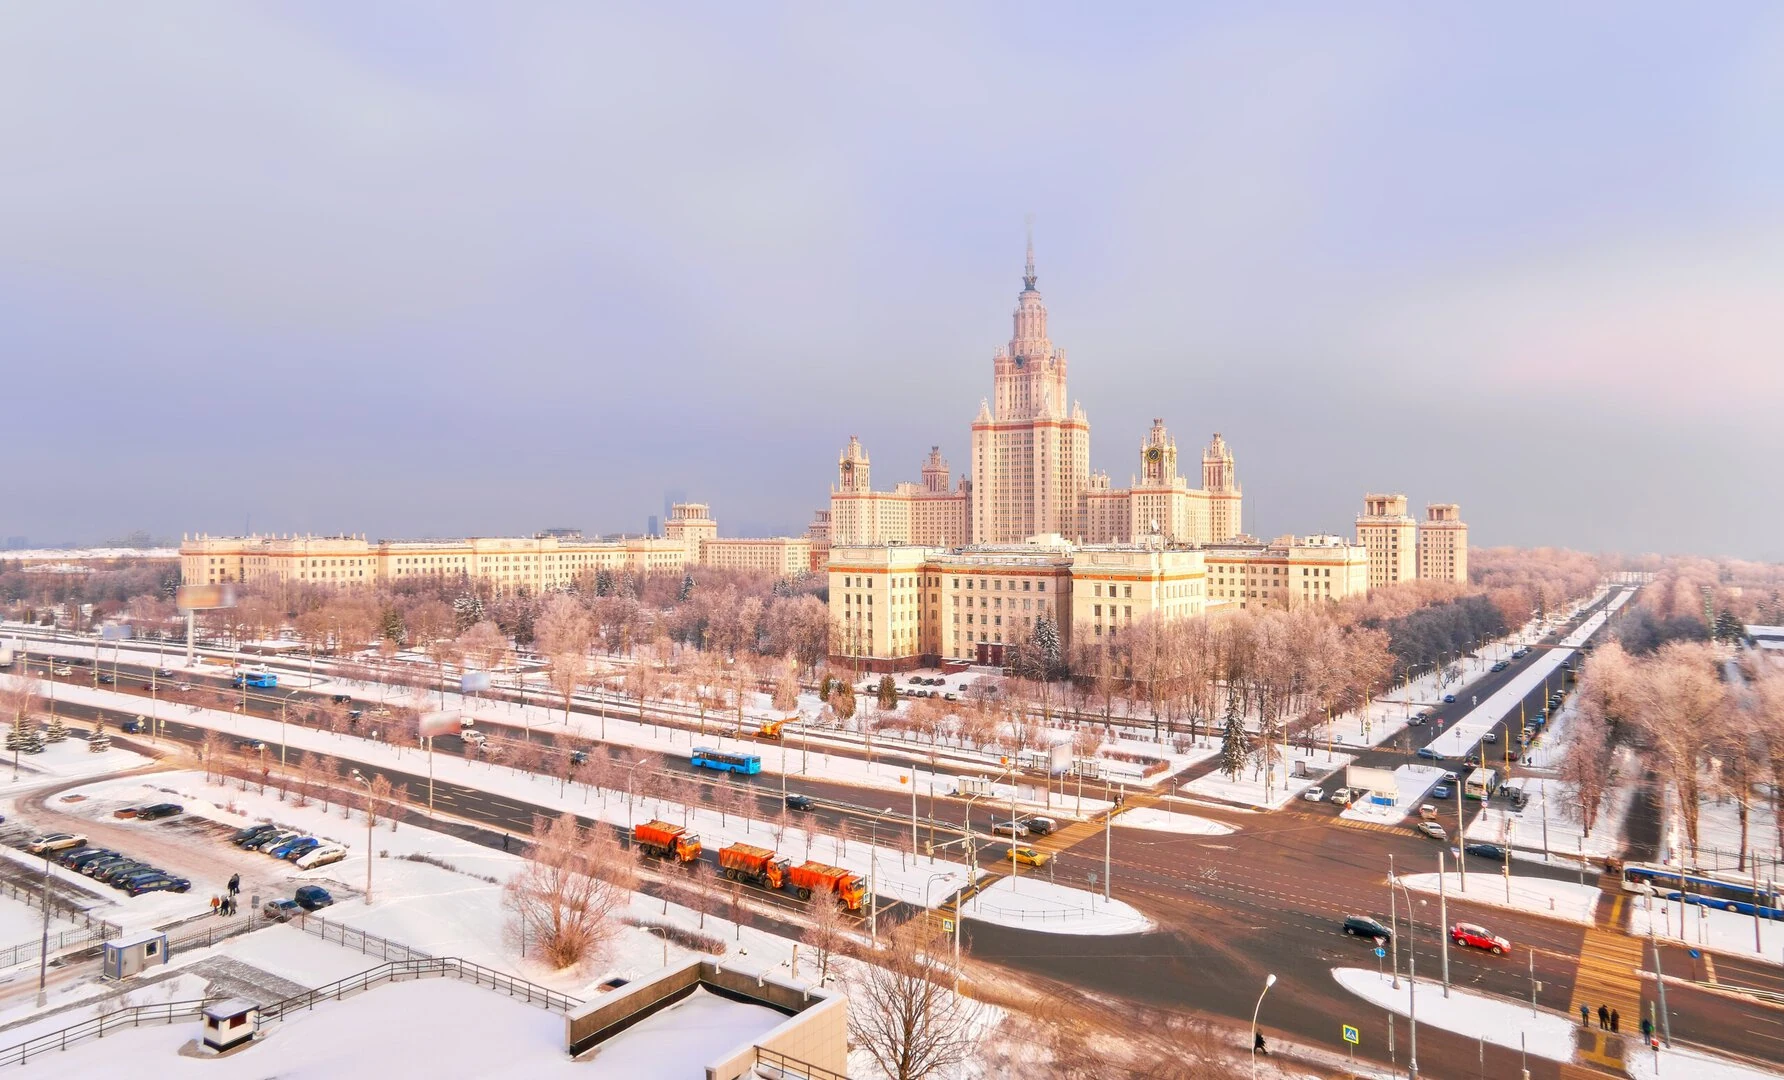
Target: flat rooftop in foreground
683 1039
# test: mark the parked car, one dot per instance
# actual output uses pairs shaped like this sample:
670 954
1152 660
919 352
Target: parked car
1314 794
56 842
159 883
76 858
1486 851
292 850
1433 830
799 802
1344 796
1479 937
311 897
281 909
273 839
1366 926
1013 829
1500 666
94 867
1039 825
242 838
125 879
322 856
159 810
121 869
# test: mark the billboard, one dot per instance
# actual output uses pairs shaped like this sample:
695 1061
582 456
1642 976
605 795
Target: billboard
439 723
204 597
472 682
1362 778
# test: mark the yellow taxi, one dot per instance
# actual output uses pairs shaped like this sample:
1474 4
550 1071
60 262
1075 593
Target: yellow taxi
1027 856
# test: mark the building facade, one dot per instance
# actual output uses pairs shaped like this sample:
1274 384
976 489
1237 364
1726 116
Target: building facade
1391 537
1443 544
1289 571
1030 470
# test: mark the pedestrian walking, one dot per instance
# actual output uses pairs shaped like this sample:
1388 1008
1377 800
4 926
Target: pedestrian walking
1613 1021
1585 1016
1604 1018
1647 1029
504 841
216 902
235 884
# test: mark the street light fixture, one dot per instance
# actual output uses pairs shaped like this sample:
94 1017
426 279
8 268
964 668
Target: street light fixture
1412 976
359 778
1269 981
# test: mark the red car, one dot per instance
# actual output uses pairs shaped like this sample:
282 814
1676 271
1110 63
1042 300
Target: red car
1480 938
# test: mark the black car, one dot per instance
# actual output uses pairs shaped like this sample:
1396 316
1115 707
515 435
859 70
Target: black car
1365 926
159 810
165 673
106 680
579 757
342 699
130 727
76 858
157 883
94 867
799 802
1486 851
1040 826
123 868
249 834
311 897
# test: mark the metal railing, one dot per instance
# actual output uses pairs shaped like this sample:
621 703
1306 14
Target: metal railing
61 906
29 950
351 938
128 1017
445 966
791 1068
170 1012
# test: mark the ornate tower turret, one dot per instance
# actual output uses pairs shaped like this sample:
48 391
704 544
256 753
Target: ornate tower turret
1158 457
935 471
852 469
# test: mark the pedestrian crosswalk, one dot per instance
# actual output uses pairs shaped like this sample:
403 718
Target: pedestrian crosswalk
1371 826
1610 976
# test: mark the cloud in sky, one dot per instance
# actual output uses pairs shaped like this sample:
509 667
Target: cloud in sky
415 269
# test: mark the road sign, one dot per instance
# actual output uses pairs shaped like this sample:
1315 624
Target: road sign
1380 952
1694 953
947 926
1350 1035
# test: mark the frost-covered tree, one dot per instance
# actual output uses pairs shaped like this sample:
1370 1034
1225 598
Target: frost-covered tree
56 731
1235 746
1046 646
687 588
603 582
467 609
888 693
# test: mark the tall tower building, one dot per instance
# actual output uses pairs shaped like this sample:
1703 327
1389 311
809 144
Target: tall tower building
1390 537
935 472
1443 544
1220 479
1030 452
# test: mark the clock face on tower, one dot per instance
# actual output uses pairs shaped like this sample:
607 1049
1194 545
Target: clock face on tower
1153 453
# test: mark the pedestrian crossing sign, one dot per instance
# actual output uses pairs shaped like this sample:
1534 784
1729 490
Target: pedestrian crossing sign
1351 1036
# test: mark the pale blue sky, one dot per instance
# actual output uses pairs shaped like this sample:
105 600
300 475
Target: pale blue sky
450 268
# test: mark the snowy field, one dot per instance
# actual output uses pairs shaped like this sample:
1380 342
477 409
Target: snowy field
1708 928
1499 1021
70 759
1679 1063
1249 788
1029 903
1411 782
1568 901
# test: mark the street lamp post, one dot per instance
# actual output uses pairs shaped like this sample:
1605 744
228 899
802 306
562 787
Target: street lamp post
359 778
283 705
1412 979
1269 981
873 876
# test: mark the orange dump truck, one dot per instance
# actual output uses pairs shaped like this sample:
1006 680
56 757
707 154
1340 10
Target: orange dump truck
811 877
666 841
758 866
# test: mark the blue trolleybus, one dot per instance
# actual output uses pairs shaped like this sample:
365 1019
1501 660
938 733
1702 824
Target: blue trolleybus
726 761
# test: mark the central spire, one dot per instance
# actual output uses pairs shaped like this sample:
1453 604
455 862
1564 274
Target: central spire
1028 273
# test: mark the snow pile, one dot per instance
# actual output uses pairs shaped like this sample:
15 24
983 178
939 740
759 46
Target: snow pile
1163 819
1565 900
1499 1021
1029 903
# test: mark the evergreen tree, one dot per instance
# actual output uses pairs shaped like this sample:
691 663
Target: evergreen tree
824 688
391 625
888 693
56 731
603 582
1728 627
467 609
1046 646
1235 746
687 588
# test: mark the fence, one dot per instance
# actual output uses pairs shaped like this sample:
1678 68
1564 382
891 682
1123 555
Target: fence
397 970
129 1017
63 907
367 944
29 950
170 1012
788 1068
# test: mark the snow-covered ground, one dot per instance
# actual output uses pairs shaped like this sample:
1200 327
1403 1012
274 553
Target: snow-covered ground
1164 819
69 759
1708 928
1679 1064
22 924
1487 884
684 1038
1030 903
1249 788
1719 835
1498 1020
1411 782
1550 821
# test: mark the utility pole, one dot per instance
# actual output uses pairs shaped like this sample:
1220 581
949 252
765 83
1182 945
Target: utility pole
43 957
1393 922
1443 920
1108 824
